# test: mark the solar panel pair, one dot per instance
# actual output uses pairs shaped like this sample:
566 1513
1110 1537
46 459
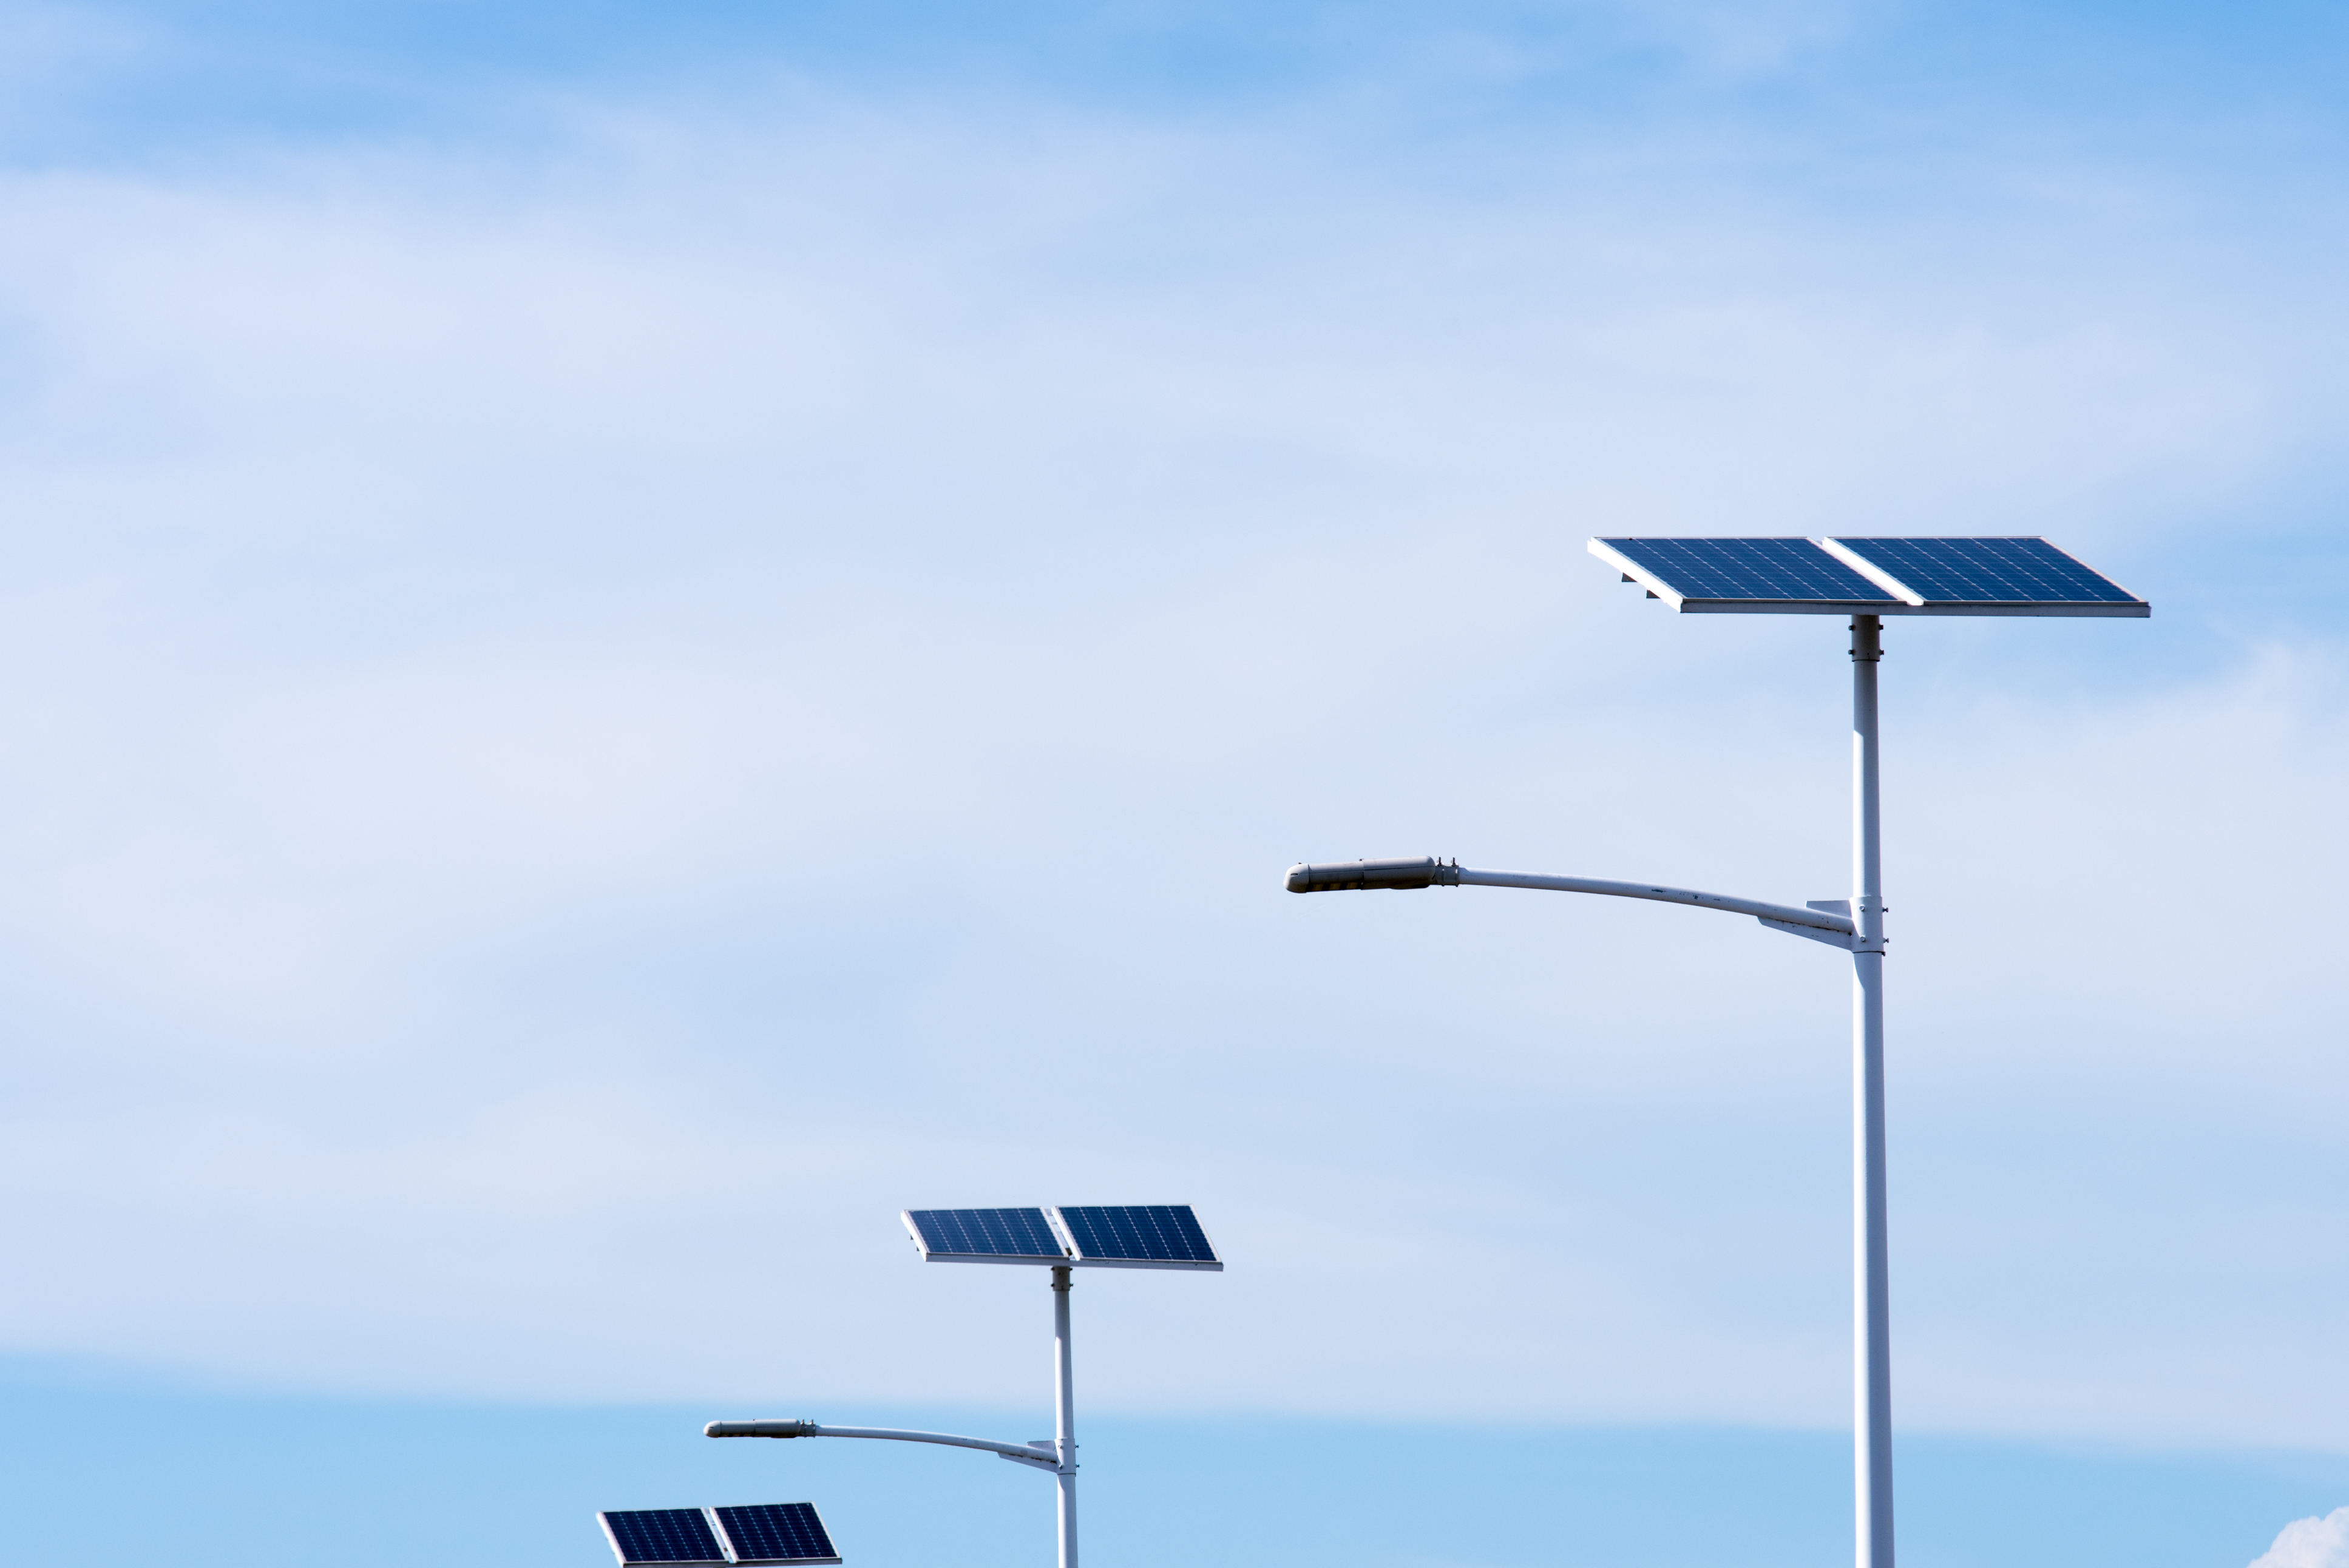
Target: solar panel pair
1137 1236
1988 576
761 1533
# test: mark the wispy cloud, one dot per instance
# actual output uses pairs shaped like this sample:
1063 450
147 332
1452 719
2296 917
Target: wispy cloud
669 686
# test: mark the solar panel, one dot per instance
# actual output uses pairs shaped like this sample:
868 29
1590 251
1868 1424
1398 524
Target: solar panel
2022 575
661 1535
1144 1236
1987 576
984 1236
773 1533
1788 576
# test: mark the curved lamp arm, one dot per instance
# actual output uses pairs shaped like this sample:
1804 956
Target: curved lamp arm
1026 1453
1429 871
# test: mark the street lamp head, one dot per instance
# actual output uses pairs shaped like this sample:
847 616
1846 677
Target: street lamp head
1345 875
768 1429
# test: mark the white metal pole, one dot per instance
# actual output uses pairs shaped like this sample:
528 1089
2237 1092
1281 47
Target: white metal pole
1064 1420
1871 1271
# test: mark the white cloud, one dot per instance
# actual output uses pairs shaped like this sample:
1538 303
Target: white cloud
2310 1544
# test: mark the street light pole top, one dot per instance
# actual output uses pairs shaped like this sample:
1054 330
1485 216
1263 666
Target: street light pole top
2022 575
1067 1236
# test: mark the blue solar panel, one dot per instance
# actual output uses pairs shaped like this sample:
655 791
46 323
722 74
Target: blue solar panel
1162 1236
1763 573
662 1535
1988 572
777 1532
2021 576
985 1236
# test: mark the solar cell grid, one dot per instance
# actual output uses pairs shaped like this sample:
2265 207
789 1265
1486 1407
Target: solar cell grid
663 1535
1936 576
2022 570
778 1532
1007 1234
1789 570
1138 1233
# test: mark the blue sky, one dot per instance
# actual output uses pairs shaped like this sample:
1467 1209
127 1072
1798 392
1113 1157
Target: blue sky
652 633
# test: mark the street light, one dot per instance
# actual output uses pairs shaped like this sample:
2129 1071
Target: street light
1143 1236
1866 579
